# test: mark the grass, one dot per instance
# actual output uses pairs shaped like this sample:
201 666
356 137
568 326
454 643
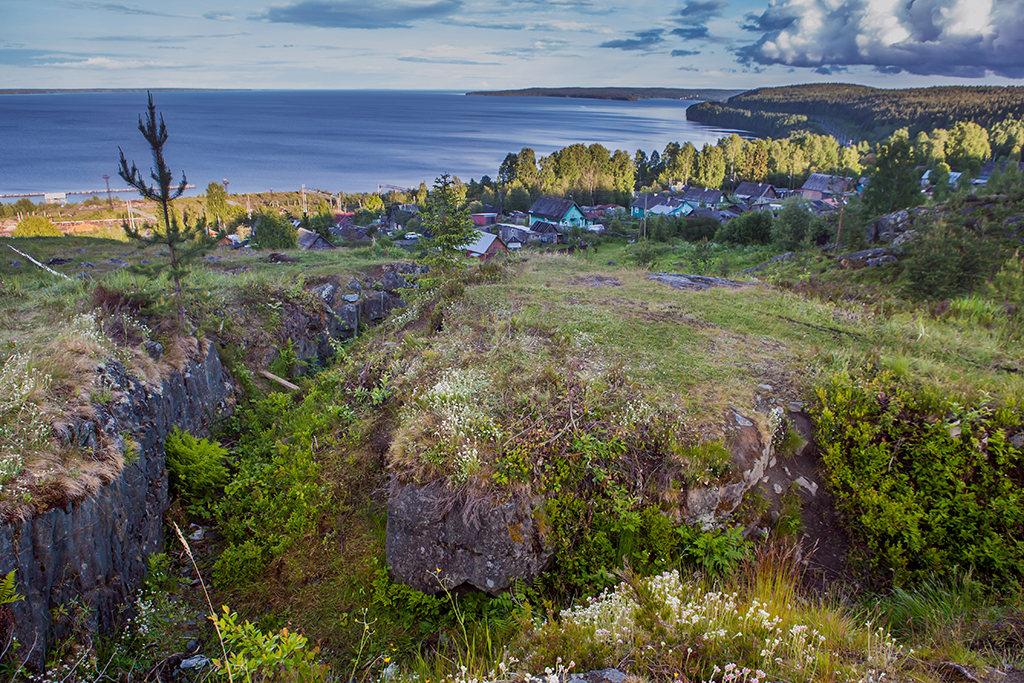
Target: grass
517 361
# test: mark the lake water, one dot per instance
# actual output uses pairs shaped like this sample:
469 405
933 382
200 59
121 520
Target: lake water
336 140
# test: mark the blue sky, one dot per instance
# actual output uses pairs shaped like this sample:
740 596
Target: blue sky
496 44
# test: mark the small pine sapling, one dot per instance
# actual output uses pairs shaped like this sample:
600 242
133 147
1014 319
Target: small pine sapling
183 242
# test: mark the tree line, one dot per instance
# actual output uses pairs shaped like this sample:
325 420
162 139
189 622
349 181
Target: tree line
871 113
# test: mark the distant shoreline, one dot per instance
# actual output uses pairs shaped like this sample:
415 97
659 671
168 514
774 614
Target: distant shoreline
67 91
619 94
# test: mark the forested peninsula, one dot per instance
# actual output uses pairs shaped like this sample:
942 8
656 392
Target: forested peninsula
623 94
859 112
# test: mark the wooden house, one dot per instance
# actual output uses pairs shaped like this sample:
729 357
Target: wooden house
559 211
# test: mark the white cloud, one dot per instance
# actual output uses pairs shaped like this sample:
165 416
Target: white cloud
964 38
105 63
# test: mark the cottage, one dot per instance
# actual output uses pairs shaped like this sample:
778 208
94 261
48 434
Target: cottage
708 212
486 246
697 196
657 205
756 193
559 211
512 234
823 186
954 179
549 233
309 240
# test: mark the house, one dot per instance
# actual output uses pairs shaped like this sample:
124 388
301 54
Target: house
756 193
675 208
655 204
351 233
988 169
520 217
559 211
486 246
549 233
823 186
309 240
696 196
513 234
954 179
708 212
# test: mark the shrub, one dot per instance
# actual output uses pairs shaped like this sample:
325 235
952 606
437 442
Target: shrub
944 262
791 226
929 485
197 467
752 227
36 226
697 229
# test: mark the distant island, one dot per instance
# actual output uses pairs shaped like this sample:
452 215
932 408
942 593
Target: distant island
622 94
64 91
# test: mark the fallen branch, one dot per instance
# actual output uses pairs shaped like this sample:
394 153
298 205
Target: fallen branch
283 382
44 267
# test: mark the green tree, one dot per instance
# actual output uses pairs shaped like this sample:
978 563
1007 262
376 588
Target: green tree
968 147
446 220
216 203
894 184
183 242
791 225
273 231
940 181
36 226
710 166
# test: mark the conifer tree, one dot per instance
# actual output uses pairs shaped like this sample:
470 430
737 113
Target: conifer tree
446 220
183 242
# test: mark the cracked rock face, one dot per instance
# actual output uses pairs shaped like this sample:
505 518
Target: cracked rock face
94 550
485 543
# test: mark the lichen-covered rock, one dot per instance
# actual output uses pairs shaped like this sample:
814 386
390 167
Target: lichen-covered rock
437 539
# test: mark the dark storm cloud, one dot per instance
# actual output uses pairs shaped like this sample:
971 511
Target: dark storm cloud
694 33
699 12
358 13
643 40
959 38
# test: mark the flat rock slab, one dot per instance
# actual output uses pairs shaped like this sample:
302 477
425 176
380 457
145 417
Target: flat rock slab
698 282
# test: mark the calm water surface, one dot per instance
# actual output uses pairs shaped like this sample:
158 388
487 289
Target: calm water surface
332 140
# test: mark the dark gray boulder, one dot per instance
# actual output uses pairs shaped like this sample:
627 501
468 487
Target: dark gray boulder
438 539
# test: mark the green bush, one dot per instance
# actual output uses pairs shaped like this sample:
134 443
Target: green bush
698 229
944 262
240 564
791 226
752 227
926 484
36 226
197 467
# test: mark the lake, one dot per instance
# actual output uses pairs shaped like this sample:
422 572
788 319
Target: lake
333 140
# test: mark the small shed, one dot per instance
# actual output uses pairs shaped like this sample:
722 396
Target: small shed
486 246
309 240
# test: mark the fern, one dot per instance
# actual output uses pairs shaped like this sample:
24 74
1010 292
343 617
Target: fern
7 594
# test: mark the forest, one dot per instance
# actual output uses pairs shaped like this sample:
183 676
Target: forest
866 113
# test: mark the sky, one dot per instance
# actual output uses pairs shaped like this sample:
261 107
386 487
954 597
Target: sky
466 45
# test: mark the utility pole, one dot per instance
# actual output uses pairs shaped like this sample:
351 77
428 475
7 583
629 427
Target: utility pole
110 200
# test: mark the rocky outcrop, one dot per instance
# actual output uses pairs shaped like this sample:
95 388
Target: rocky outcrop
92 552
440 539
437 540
870 258
697 282
344 307
752 456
